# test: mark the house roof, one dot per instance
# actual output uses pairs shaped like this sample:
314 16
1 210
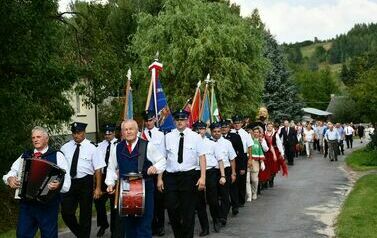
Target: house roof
315 111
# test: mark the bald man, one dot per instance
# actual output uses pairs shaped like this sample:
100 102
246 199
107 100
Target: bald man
123 158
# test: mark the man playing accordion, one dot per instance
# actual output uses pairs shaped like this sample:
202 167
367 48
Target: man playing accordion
34 214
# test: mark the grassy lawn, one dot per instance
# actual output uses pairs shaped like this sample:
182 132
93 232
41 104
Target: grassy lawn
358 217
362 160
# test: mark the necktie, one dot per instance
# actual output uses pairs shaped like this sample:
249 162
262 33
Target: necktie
150 134
237 132
107 157
75 159
180 150
129 146
37 154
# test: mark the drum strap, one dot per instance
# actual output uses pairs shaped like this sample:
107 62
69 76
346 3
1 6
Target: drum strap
141 157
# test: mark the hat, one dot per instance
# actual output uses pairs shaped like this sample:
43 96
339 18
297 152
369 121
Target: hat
181 115
199 125
215 125
225 123
237 118
109 128
78 126
148 114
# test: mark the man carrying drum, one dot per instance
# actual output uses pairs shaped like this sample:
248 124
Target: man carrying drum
126 158
33 214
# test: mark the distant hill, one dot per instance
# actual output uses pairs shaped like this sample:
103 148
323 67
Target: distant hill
361 39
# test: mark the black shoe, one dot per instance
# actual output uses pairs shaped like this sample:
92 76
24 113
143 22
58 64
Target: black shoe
271 183
331 160
102 230
204 232
160 232
216 227
235 211
222 222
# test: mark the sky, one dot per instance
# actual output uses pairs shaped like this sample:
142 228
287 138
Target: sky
295 21
298 20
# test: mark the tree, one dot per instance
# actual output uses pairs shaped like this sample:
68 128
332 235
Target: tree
316 87
34 74
195 38
280 94
364 92
33 71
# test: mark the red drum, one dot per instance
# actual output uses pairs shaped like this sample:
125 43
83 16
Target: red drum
132 196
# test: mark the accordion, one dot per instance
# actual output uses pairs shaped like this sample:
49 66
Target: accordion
34 176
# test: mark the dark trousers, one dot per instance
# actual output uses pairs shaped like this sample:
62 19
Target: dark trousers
289 153
333 149
100 205
209 196
141 227
180 200
241 187
326 148
349 141
223 193
35 215
159 209
80 194
341 147
316 145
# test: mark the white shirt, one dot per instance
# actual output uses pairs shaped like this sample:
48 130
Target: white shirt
158 139
101 150
213 154
87 162
226 148
60 162
309 135
193 147
348 130
279 144
246 139
153 155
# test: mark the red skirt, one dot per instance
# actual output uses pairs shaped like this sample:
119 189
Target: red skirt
275 167
265 175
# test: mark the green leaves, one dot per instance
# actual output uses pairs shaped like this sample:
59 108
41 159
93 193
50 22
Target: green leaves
195 38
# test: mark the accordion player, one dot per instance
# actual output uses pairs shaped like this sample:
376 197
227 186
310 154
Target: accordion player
38 188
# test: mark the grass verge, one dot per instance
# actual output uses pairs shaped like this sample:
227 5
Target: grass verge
362 160
358 217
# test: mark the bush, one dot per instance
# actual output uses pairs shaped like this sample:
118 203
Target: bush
373 144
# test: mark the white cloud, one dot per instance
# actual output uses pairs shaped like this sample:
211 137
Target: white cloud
292 21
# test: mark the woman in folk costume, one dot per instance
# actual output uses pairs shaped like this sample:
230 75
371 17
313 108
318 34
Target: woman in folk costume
256 161
275 154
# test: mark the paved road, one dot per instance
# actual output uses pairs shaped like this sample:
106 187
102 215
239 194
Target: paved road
302 205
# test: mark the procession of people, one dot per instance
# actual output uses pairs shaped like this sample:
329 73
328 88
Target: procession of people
223 164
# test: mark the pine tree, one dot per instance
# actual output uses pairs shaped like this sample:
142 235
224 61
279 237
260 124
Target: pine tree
280 94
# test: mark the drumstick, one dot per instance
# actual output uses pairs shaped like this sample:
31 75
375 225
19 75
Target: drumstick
116 200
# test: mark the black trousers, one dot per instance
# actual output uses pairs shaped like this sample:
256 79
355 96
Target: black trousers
289 153
223 194
159 209
208 196
316 145
326 148
341 147
238 189
80 194
349 141
100 205
180 200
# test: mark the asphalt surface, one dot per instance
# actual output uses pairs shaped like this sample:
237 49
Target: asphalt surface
304 204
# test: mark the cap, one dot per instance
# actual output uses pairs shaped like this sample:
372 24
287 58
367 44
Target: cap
148 114
199 125
215 125
225 123
109 128
237 118
181 115
78 126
